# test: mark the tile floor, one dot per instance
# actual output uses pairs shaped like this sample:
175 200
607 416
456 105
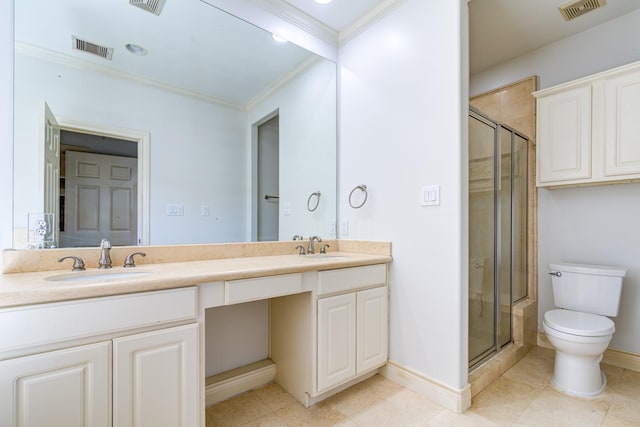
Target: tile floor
523 396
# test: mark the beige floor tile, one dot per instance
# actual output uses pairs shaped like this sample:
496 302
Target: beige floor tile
274 396
238 411
400 408
319 415
504 401
552 408
447 418
626 407
613 373
523 396
362 395
613 421
629 384
535 369
269 420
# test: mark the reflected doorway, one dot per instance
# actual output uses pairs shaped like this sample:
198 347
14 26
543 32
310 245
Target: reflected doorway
268 165
98 190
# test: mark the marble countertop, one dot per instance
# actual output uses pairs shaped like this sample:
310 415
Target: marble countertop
18 289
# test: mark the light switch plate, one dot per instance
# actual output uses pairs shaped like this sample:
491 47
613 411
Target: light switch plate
431 195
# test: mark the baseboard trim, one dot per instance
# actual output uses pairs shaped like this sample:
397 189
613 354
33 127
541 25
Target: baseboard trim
452 399
612 356
228 384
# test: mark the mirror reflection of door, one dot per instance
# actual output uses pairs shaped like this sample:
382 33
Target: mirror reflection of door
51 166
268 180
99 190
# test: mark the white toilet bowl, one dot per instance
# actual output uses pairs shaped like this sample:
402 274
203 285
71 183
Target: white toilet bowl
579 340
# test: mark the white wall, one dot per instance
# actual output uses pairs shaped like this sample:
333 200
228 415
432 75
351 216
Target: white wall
596 225
307 109
401 126
6 124
197 149
600 48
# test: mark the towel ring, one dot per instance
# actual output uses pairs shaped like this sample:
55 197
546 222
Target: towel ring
362 188
317 194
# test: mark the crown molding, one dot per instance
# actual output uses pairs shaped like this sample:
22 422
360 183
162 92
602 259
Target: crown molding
300 19
81 64
367 20
281 82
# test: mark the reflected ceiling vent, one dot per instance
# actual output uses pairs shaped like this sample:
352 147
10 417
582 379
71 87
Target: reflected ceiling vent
574 9
153 6
95 49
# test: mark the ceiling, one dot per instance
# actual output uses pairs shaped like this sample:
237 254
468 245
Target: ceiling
207 51
499 29
192 47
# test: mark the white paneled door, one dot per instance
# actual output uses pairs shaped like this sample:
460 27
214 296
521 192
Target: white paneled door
336 340
70 388
100 200
155 379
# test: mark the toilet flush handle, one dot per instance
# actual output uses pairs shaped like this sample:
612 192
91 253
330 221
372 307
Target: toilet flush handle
556 273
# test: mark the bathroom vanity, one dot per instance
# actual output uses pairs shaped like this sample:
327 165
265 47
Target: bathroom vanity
123 347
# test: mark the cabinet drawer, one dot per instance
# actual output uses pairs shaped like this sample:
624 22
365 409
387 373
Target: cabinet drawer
244 290
29 326
345 279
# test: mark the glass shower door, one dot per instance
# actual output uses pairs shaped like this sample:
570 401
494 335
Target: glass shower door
482 213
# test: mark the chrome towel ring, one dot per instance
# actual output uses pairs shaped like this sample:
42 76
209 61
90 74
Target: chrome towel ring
310 201
362 188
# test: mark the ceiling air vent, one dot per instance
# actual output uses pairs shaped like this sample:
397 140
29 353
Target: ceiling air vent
95 49
153 6
574 9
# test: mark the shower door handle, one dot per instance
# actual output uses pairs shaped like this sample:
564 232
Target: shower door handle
556 273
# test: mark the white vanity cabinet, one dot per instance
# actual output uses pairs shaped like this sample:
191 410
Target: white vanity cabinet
588 130
330 338
123 361
352 335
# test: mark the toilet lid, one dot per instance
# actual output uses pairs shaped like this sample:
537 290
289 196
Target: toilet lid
577 323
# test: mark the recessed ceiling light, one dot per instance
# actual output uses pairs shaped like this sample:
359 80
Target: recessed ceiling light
278 38
323 1
136 50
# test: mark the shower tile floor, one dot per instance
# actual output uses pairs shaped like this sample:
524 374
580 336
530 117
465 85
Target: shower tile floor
523 396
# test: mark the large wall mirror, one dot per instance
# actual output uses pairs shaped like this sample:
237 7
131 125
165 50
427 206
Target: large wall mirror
175 125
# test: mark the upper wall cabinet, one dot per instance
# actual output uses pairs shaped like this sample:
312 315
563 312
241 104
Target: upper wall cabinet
589 129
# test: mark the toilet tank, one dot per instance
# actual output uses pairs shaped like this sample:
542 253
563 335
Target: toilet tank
588 288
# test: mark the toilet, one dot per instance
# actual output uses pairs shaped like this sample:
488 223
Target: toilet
578 330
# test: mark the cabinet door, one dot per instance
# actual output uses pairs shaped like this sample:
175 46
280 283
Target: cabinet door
622 124
69 387
155 378
336 340
372 329
564 136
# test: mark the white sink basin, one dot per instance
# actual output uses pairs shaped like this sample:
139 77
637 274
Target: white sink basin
88 276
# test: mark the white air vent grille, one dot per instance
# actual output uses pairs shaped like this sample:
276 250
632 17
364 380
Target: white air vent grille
153 6
95 49
577 8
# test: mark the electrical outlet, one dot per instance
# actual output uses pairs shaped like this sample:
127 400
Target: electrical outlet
174 209
204 210
344 227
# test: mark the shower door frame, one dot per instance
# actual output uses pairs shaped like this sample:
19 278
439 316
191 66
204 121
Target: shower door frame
497 258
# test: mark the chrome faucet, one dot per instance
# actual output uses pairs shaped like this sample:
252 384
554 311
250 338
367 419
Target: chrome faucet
105 257
311 249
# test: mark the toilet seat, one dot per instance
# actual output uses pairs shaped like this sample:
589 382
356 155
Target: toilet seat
578 323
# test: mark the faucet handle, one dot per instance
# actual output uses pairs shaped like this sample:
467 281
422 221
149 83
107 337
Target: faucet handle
297 237
300 249
323 248
78 263
129 262
105 244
